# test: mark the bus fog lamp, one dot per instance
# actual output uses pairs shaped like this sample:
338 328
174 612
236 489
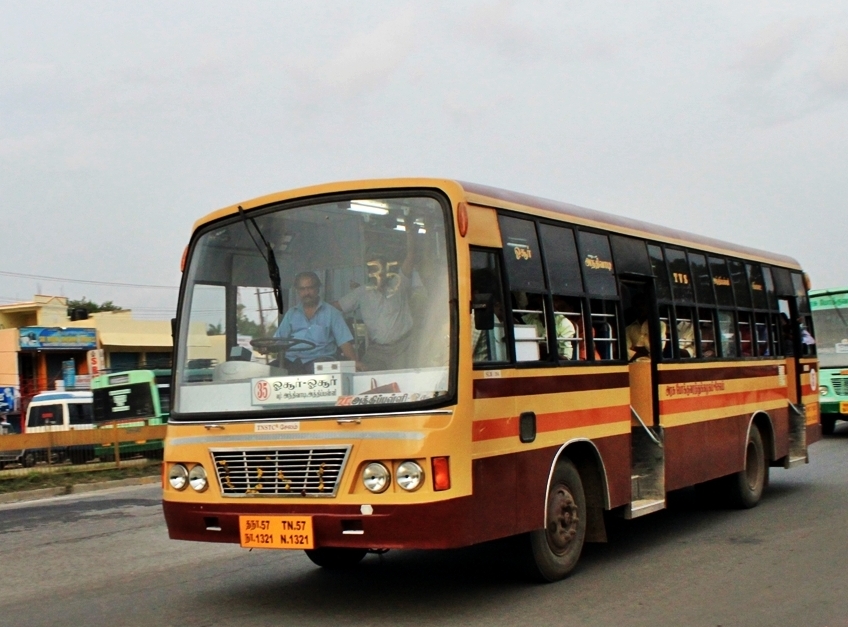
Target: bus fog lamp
178 477
197 478
409 476
376 477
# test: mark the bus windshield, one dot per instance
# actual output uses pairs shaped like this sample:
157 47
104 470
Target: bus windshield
830 317
310 309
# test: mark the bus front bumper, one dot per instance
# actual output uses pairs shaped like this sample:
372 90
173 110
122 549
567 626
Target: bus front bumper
436 525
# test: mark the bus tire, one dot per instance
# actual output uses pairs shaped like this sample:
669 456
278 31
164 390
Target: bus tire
556 548
28 459
828 424
747 485
335 558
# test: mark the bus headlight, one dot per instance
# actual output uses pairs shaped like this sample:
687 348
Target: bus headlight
197 478
823 390
409 476
178 477
376 477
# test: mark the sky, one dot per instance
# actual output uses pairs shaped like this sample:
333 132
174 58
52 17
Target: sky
123 123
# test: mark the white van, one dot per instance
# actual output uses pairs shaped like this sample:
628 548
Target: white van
59 411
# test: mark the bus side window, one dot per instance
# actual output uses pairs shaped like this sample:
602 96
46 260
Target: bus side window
761 333
706 327
727 329
487 309
665 329
530 326
746 342
685 328
605 329
570 328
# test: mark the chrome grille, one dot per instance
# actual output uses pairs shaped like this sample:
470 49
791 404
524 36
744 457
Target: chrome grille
839 385
283 472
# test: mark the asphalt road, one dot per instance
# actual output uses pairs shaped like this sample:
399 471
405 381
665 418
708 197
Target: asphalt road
105 559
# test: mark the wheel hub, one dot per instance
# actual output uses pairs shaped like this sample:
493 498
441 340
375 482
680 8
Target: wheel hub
562 519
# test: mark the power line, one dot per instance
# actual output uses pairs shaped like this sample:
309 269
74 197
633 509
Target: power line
109 283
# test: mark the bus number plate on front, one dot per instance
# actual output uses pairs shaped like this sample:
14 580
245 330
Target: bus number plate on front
843 407
276 532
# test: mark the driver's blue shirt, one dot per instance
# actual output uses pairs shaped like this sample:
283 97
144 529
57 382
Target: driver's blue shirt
326 329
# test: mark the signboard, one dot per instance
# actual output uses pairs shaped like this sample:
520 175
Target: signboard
95 361
69 373
56 338
318 388
7 399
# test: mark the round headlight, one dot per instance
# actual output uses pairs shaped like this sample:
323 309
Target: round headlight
197 478
823 390
376 477
409 476
178 477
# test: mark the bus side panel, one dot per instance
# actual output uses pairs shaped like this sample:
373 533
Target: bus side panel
706 409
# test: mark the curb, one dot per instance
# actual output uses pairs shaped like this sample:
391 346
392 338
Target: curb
79 488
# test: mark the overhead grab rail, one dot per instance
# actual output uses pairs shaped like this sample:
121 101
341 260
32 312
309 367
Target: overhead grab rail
650 433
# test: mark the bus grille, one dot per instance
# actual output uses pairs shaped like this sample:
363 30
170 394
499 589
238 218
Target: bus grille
839 385
294 472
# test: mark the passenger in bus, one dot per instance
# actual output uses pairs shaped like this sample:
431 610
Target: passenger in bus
686 338
383 305
637 332
565 331
317 322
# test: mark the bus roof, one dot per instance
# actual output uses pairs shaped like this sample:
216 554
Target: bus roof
52 397
504 199
828 291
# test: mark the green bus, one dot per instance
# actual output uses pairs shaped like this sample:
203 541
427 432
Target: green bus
134 398
830 320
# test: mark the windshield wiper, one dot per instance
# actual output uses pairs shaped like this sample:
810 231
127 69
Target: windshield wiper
268 256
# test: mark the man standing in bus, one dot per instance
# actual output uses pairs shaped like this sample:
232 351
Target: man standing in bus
316 322
638 332
384 306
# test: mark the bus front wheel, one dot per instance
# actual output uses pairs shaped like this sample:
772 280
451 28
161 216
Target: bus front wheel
556 548
828 424
335 558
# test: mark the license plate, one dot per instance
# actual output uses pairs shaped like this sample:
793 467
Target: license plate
276 532
843 407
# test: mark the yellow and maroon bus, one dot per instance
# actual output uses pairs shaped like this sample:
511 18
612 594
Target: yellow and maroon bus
425 363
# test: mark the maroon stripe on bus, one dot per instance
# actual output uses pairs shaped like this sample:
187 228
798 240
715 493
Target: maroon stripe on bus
528 386
715 374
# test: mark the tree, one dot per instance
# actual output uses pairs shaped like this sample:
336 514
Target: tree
215 329
91 307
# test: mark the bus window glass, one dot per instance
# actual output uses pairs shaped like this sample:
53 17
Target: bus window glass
521 252
768 281
706 328
685 328
631 255
561 259
830 315
487 322
739 279
570 328
758 289
703 282
746 339
783 282
666 324
597 264
800 292
80 414
761 333
661 286
530 327
727 333
365 294
604 329
721 282
680 279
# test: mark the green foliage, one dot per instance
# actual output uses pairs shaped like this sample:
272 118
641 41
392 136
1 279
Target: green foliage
92 307
215 329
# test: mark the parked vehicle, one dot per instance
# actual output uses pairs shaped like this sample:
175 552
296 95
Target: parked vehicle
56 412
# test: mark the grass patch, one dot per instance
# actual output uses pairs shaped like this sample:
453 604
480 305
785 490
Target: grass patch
59 477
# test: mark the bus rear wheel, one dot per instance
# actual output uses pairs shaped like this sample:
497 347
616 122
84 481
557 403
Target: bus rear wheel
335 558
828 424
747 485
556 548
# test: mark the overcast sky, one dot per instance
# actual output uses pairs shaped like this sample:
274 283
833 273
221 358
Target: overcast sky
122 123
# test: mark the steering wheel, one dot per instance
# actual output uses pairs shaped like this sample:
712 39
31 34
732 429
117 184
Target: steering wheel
279 344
